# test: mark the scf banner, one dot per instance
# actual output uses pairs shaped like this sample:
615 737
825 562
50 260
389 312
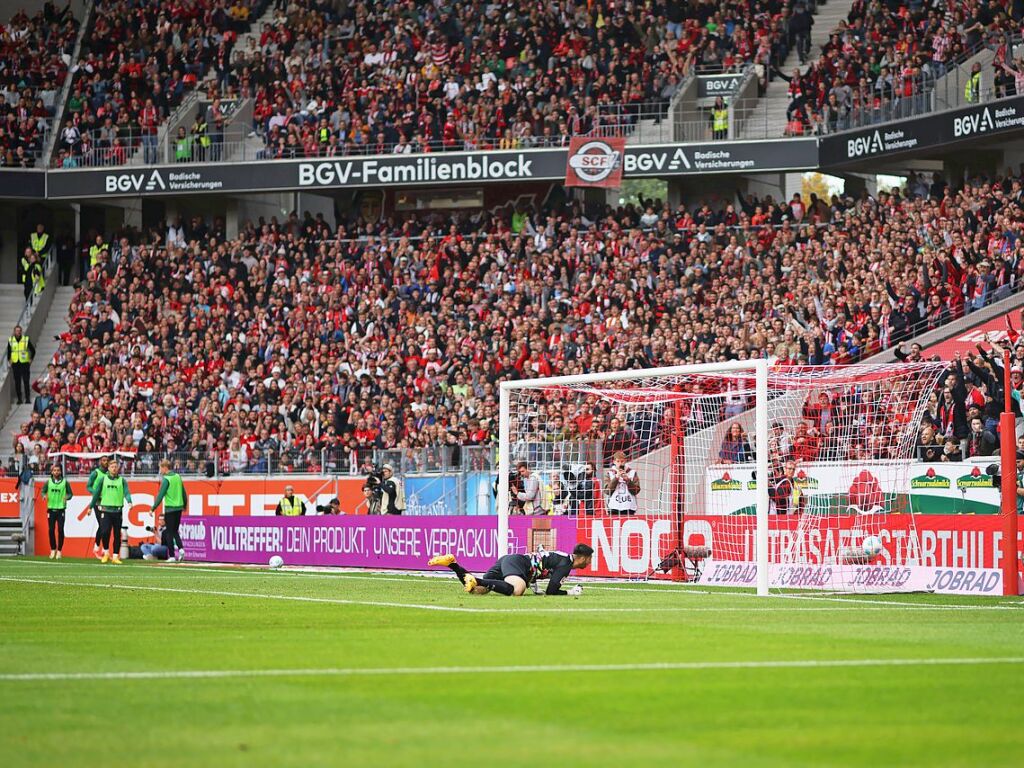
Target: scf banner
595 162
227 497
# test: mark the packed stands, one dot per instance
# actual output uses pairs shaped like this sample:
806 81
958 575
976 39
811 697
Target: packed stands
34 56
139 62
401 77
884 61
396 79
293 337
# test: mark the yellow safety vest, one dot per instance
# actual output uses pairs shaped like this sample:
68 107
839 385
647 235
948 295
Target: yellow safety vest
720 119
972 90
292 507
39 281
26 266
94 253
200 131
39 242
19 350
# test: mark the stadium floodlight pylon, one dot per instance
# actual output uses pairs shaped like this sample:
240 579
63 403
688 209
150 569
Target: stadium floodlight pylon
834 444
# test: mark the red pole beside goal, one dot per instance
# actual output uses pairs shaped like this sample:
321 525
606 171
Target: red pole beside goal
1008 471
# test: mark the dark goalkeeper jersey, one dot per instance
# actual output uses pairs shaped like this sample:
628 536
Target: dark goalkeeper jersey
554 566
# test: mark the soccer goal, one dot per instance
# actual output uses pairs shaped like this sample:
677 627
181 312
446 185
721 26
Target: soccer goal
737 474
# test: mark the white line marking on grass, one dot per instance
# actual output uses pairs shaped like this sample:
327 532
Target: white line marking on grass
193 674
514 608
256 595
442 579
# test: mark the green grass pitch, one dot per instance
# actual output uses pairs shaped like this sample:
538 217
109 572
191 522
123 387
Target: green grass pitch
156 665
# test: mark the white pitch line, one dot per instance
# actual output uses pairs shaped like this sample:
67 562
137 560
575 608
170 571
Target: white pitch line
565 605
255 595
440 578
670 666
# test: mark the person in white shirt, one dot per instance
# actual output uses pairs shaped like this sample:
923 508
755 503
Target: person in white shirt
528 496
621 486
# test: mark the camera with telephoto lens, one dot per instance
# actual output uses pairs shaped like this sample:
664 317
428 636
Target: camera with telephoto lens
374 480
992 470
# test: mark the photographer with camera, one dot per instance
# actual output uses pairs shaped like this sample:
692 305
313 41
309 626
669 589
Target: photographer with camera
392 494
333 507
162 546
371 497
622 487
527 496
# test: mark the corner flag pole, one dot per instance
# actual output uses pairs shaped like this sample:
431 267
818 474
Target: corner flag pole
1008 494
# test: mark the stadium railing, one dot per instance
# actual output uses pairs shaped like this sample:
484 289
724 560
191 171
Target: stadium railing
320 461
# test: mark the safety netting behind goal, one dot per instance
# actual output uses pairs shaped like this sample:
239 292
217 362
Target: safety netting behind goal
661 471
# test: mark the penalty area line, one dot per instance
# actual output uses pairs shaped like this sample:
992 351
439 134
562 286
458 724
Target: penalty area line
683 666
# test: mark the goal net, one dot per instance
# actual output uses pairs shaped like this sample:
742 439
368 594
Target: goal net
736 474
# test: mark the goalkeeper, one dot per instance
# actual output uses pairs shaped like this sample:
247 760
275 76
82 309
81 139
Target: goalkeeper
513 573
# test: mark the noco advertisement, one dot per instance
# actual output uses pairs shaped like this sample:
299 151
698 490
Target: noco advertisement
594 157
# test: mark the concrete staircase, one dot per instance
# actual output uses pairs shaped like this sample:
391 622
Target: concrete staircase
247 40
949 89
46 346
769 119
12 300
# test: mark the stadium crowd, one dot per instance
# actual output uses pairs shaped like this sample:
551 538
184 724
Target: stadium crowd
294 337
394 77
138 63
34 56
883 60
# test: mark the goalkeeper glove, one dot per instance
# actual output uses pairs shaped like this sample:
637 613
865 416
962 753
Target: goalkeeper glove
576 590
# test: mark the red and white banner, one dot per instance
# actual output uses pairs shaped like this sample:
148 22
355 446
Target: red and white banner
227 497
953 553
1002 329
10 501
595 162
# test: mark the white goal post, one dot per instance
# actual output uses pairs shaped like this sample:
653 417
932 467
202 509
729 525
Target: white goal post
739 473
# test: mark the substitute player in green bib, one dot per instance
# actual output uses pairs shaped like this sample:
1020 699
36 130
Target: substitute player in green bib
110 496
99 471
175 498
56 491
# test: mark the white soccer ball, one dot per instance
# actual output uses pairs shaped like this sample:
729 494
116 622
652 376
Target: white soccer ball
575 590
276 562
872 545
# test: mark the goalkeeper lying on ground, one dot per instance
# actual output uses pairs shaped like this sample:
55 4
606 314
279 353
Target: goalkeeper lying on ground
513 573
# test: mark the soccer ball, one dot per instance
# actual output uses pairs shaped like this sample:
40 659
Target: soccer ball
276 562
872 545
